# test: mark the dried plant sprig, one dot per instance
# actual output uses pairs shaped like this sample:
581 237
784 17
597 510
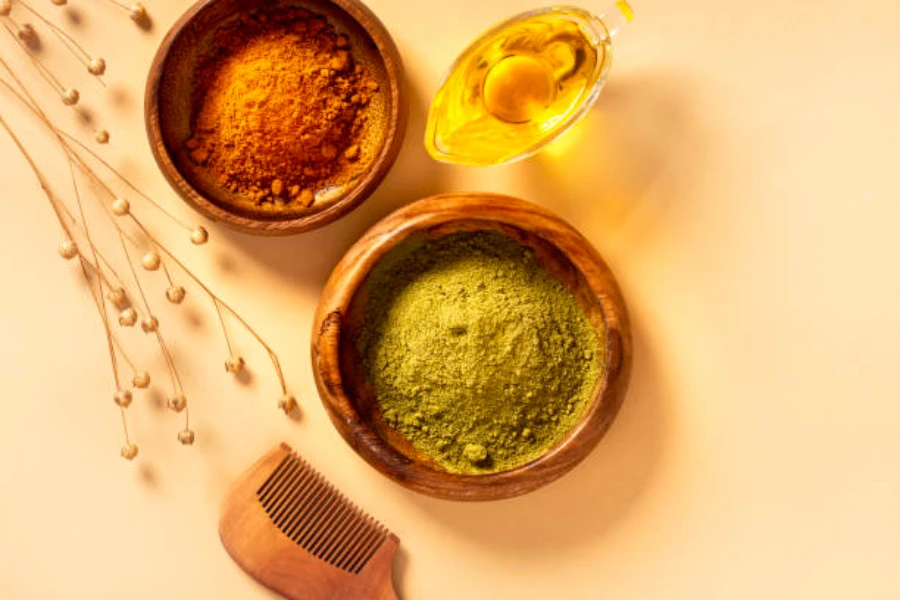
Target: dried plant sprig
44 72
218 302
96 66
136 12
69 95
125 181
104 282
25 32
129 448
75 161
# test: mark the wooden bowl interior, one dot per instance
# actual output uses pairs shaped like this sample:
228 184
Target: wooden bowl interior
177 91
360 391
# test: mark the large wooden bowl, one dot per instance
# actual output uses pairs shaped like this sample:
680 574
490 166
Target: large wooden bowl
168 110
349 399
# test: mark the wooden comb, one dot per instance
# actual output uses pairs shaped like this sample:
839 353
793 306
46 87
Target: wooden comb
297 535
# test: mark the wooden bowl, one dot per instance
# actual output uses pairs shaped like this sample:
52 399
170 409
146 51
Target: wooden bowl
348 397
168 105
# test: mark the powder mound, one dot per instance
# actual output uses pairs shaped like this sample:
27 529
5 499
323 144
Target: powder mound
476 354
280 108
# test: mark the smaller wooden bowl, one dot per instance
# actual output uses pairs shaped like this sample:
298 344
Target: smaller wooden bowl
348 397
168 110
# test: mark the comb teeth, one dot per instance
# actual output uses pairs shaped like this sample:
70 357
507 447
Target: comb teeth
318 518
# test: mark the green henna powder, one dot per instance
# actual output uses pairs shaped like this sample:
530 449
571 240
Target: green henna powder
476 354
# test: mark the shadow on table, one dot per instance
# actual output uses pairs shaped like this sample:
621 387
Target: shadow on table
585 503
626 161
309 257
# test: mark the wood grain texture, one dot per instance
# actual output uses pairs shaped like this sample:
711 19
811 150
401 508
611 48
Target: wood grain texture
349 399
168 110
268 555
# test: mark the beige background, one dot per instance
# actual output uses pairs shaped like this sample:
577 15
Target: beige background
740 176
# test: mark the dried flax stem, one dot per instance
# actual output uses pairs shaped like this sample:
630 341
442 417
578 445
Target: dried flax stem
73 158
104 316
222 323
96 68
44 72
50 196
220 303
170 364
121 178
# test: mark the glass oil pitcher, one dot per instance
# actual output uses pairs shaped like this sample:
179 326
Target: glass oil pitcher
522 84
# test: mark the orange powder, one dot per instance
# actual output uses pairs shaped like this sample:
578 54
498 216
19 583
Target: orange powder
280 109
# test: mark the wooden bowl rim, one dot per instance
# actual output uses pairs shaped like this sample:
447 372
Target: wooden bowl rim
375 174
421 216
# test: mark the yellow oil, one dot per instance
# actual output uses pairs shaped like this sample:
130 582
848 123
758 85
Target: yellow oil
518 87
